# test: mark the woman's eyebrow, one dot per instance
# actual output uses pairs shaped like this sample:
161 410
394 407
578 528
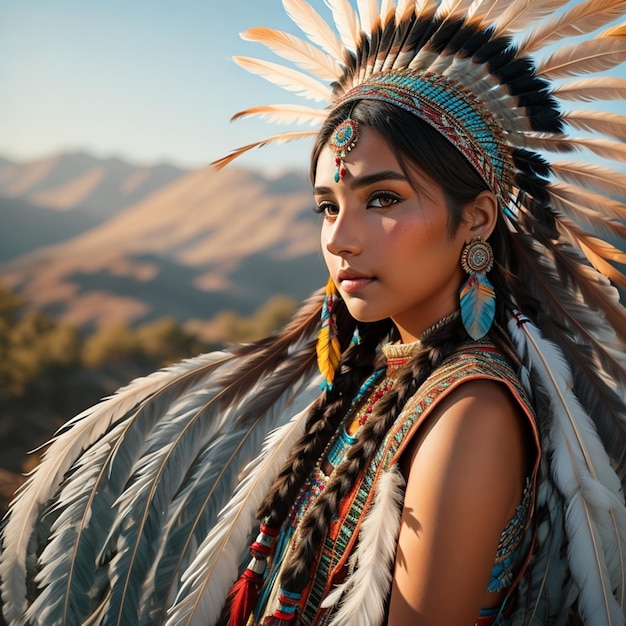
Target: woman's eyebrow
364 181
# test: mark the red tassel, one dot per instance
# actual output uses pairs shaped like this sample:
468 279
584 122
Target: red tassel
242 598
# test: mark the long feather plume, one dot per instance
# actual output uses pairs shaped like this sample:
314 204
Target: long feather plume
296 50
598 122
86 429
284 114
285 77
590 89
575 196
369 15
280 138
602 53
210 575
521 13
596 516
347 23
602 147
364 594
219 466
593 177
580 19
314 26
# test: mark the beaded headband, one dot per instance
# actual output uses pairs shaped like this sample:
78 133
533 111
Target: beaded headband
449 108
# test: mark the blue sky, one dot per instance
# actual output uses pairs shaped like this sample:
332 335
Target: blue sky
146 80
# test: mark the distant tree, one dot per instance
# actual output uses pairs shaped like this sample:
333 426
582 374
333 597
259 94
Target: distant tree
234 328
111 345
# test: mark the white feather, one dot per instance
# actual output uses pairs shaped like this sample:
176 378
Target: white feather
78 434
285 114
346 22
215 567
314 27
365 592
580 467
285 77
299 52
368 12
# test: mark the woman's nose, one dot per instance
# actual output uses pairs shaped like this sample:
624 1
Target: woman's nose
342 236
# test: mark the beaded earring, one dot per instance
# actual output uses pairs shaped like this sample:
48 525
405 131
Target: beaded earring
477 296
343 139
328 348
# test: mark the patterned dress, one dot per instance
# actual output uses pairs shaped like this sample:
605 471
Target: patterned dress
478 360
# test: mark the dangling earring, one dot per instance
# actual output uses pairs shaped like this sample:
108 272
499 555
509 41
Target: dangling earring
477 296
343 139
328 348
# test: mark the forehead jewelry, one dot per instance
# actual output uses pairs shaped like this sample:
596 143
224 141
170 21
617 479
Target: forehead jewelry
343 139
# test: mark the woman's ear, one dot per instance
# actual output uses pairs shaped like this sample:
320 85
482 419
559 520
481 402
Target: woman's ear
480 215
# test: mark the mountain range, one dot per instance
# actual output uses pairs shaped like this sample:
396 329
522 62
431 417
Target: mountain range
95 241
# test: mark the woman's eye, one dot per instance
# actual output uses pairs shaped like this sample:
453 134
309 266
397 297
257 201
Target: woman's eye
328 209
383 200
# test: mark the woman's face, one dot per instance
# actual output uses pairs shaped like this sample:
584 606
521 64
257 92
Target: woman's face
386 239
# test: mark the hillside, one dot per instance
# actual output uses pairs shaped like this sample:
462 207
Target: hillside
194 243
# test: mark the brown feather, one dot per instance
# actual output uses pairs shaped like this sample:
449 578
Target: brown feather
582 18
572 206
598 122
549 287
592 177
556 143
280 138
595 55
284 114
597 246
590 89
520 13
600 204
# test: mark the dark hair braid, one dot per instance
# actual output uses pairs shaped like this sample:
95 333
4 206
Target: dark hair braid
325 415
314 526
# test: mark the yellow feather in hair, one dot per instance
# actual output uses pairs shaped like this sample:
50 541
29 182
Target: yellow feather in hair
328 347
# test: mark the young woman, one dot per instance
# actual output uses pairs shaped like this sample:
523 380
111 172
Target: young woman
463 460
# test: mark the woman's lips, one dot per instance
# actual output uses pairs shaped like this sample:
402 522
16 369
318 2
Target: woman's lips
352 282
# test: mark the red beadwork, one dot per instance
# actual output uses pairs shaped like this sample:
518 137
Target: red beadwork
376 396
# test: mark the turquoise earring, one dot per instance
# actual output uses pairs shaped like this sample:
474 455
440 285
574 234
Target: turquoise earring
477 296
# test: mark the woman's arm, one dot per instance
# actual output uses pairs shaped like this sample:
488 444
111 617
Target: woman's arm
465 476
